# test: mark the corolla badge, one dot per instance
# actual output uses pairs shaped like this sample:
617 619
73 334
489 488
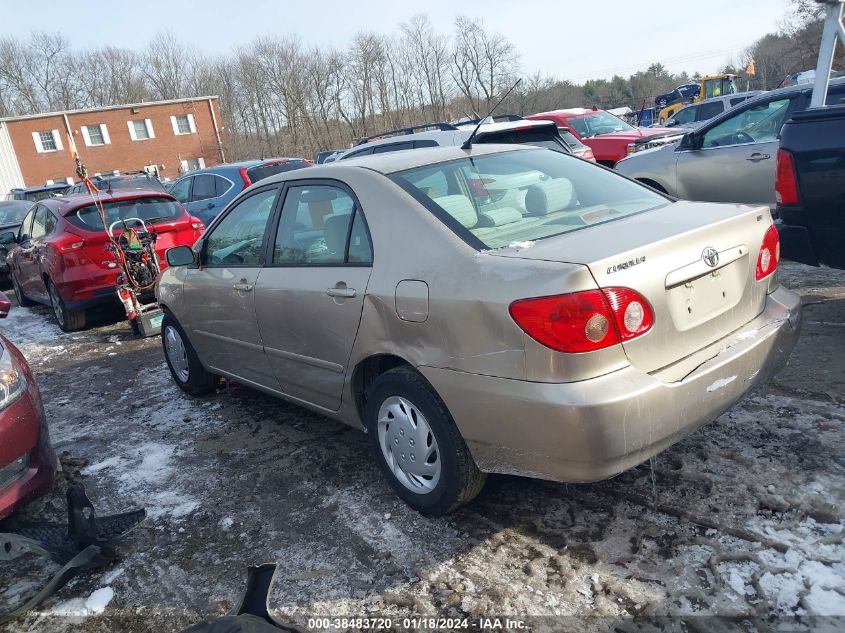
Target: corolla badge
710 256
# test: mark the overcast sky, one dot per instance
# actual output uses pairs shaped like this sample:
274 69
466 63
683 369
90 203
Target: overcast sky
572 39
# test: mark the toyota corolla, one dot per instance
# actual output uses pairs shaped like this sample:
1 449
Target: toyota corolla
494 309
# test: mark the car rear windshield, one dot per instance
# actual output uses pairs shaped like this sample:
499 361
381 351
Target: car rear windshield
596 123
497 200
150 210
129 182
540 136
260 172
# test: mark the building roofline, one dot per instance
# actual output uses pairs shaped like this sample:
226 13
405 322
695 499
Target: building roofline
123 106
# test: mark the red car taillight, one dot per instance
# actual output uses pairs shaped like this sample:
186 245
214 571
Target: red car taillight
245 177
584 321
69 242
786 181
197 224
767 260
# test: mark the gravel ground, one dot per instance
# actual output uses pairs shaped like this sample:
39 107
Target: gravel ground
742 520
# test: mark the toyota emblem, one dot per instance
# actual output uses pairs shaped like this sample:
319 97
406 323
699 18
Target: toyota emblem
710 257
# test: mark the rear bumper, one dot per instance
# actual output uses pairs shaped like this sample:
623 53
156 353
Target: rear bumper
91 298
816 243
597 428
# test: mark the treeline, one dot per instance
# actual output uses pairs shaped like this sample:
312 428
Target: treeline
280 96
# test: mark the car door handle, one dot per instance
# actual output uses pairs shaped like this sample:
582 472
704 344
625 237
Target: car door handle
346 293
757 157
243 287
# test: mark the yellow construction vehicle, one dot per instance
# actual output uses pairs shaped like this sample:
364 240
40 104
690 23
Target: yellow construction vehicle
709 86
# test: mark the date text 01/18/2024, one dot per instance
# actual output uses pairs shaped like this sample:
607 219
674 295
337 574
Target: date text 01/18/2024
418 623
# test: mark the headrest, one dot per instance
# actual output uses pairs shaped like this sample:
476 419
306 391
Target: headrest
460 208
548 196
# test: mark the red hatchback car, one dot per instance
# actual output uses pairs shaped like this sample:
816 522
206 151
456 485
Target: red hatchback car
27 460
62 255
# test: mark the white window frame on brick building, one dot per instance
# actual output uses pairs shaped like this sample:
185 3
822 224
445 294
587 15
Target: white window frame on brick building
183 124
148 126
192 164
39 138
93 140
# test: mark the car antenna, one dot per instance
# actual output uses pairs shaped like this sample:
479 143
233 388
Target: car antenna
468 143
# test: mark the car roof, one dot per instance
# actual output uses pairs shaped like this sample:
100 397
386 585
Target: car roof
570 111
449 137
65 204
390 162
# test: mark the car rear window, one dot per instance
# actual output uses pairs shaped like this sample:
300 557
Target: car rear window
122 183
540 136
520 196
265 170
150 210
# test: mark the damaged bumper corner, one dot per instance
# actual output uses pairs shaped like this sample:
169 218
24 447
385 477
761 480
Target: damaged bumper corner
597 428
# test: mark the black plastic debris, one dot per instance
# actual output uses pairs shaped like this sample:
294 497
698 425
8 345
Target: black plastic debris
85 542
251 614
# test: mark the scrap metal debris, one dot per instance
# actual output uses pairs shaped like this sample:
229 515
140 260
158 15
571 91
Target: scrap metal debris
86 542
251 614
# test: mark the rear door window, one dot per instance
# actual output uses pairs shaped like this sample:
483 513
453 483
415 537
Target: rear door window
314 227
39 223
221 185
204 187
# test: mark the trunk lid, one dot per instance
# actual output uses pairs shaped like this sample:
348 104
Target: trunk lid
660 254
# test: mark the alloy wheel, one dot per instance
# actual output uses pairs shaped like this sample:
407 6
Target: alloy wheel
408 445
176 353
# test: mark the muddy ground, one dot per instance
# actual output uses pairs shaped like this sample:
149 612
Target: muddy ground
743 519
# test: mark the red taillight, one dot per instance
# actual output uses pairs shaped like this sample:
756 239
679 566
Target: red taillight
479 187
245 177
197 224
69 242
767 260
786 182
584 321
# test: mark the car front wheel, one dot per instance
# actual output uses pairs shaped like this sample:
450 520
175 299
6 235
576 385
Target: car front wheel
23 300
418 446
182 359
68 320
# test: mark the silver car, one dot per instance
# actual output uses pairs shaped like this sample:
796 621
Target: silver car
730 158
499 309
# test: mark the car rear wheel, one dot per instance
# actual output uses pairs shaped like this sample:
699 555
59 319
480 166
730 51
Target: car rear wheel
23 300
182 359
418 446
68 320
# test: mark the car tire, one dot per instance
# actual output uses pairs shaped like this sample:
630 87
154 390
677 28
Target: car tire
23 300
405 412
68 320
182 359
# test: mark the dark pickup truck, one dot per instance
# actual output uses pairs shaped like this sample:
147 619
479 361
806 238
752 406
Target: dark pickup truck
810 187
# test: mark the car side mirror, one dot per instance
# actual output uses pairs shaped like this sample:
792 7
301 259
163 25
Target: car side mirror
8 237
689 141
180 256
5 305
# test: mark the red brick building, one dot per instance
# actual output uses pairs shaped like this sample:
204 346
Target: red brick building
175 136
